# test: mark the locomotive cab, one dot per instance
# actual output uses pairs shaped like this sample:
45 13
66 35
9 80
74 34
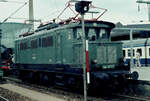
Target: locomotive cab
103 53
105 57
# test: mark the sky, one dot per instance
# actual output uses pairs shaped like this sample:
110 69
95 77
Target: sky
124 11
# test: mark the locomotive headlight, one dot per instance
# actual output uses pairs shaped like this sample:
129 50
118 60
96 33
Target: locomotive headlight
95 61
95 24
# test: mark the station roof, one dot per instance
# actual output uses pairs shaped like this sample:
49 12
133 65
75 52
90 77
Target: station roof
121 34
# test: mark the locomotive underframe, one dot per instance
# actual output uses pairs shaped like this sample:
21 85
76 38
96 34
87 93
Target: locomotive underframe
67 76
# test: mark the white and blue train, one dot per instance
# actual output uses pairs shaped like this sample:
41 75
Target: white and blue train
139 45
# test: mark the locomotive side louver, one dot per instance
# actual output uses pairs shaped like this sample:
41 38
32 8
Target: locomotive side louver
106 54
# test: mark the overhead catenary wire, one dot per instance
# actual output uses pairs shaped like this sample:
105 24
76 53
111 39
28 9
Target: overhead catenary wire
18 18
14 13
19 2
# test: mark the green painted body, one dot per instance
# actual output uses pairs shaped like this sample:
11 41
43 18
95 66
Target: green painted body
1 73
65 46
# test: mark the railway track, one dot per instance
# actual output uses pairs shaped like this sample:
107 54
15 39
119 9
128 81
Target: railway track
69 95
132 98
3 99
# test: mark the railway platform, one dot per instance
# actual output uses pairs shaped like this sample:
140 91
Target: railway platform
143 73
35 95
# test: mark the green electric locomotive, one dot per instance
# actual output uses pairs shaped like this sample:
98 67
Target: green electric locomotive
53 54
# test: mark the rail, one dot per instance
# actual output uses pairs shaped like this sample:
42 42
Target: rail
3 99
132 97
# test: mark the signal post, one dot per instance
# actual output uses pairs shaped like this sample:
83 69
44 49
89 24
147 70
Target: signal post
82 7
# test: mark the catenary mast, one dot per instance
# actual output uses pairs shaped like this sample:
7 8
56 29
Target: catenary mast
145 2
31 14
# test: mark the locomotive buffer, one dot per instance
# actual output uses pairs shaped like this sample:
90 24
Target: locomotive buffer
82 7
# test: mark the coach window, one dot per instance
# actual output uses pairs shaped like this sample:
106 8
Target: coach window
149 51
129 53
140 51
124 53
133 52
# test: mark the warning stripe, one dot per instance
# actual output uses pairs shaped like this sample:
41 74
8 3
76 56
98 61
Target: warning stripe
87 62
88 77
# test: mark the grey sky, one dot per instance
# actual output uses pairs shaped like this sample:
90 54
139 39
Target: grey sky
125 11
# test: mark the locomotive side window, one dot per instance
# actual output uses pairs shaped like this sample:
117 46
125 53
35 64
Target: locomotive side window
23 46
39 42
34 44
43 42
47 41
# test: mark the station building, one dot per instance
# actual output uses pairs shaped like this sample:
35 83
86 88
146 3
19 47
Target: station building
11 31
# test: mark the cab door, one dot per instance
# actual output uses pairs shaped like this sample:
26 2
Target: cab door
58 48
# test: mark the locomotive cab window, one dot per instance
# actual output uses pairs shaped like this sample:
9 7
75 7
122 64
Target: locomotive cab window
102 33
79 34
95 34
91 34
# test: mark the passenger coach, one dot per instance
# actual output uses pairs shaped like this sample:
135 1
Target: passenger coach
142 46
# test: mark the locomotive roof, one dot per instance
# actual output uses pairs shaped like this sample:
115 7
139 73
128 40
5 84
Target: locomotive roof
100 24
